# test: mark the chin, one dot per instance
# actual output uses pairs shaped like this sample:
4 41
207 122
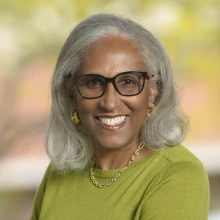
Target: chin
112 143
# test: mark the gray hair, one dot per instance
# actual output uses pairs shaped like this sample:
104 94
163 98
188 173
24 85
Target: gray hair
67 144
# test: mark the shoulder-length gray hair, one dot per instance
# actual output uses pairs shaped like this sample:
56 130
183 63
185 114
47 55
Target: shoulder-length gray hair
67 145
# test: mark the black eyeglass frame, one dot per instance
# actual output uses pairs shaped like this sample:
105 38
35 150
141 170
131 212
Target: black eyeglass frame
145 75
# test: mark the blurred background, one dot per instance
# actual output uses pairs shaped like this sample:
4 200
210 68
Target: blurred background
31 35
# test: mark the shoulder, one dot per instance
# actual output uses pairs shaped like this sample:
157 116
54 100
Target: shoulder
182 166
52 176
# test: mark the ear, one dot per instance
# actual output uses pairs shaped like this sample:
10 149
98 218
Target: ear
153 93
72 95
74 100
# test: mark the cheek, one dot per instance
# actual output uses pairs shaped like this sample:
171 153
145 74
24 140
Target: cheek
86 108
85 117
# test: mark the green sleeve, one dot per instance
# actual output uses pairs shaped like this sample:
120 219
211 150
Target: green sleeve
181 191
38 200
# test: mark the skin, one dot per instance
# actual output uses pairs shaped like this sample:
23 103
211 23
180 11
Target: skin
114 145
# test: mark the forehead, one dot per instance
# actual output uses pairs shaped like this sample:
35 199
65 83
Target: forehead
116 53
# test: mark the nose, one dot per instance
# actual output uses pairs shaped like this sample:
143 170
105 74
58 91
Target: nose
110 100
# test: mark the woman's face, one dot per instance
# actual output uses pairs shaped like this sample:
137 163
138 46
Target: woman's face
108 57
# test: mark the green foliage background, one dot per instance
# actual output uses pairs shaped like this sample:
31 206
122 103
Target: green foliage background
190 30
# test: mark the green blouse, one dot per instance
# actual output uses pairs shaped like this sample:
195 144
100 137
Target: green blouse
170 184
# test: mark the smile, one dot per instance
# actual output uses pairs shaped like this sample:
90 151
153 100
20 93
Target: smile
112 121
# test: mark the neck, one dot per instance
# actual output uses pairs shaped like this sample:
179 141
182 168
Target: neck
118 158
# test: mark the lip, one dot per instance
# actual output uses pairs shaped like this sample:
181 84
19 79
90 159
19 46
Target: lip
111 127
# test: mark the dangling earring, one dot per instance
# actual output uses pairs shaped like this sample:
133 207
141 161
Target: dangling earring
150 110
75 116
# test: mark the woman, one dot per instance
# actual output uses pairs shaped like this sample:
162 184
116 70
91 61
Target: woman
120 156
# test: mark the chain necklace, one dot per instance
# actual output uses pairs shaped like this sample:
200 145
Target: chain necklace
92 177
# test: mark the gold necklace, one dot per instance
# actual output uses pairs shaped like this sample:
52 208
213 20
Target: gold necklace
92 177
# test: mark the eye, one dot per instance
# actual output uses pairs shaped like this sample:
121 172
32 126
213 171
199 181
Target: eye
127 81
91 81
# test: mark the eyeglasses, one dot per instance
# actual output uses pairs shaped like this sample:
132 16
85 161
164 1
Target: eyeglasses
92 86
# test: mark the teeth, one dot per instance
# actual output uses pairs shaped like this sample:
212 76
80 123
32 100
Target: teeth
112 121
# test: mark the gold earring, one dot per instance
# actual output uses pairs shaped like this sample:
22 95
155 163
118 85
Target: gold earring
150 110
75 116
